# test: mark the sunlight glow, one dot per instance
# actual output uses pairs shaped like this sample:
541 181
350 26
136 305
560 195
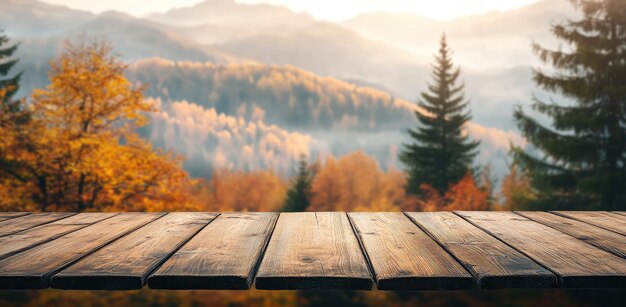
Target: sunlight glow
334 10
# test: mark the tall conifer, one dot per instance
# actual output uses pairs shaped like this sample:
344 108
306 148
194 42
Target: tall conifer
582 155
10 109
441 153
299 195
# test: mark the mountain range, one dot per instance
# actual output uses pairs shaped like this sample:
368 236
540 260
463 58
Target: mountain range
382 53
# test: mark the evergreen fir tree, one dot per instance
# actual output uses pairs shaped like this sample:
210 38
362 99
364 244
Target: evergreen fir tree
9 85
299 195
13 115
582 156
441 154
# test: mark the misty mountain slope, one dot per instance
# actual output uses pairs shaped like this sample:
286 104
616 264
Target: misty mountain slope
288 96
210 140
41 37
233 14
340 117
31 18
324 48
220 21
495 39
331 50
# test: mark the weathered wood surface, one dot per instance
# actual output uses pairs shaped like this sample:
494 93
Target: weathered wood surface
18 224
31 269
126 263
395 251
403 257
494 264
224 255
578 264
15 243
313 251
608 220
10 215
607 240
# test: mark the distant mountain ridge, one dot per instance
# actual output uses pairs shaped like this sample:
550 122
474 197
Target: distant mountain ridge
390 52
486 40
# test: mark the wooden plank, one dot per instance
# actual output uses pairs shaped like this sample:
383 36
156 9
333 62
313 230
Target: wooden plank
31 269
494 264
578 264
607 220
224 255
29 221
607 240
126 263
403 257
11 215
313 251
15 243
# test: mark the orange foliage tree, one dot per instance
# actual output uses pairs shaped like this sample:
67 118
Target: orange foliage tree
241 191
516 191
82 151
464 195
356 183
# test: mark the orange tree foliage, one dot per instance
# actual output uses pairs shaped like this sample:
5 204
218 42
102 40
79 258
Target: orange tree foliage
356 183
80 151
516 190
242 191
465 195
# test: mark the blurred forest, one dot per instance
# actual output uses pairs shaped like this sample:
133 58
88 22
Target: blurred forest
93 140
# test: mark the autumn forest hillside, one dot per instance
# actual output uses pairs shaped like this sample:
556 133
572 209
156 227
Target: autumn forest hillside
231 97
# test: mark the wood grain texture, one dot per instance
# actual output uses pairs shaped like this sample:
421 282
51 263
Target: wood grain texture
577 264
126 263
31 269
607 240
224 255
494 264
607 220
313 251
18 224
403 257
15 243
11 215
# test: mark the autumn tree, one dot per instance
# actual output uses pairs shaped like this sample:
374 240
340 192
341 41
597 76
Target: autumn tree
441 153
516 191
355 182
464 195
242 191
582 155
83 152
299 194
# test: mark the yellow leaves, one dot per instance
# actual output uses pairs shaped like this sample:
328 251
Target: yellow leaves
82 151
356 183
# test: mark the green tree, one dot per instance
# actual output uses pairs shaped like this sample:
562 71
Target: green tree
11 110
581 160
299 195
13 119
441 153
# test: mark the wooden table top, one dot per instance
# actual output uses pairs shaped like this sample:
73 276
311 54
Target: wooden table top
313 250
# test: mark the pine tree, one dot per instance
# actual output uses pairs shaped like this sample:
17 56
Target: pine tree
441 154
10 109
582 156
299 195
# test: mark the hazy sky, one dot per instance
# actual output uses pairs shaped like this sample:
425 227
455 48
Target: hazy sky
322 9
